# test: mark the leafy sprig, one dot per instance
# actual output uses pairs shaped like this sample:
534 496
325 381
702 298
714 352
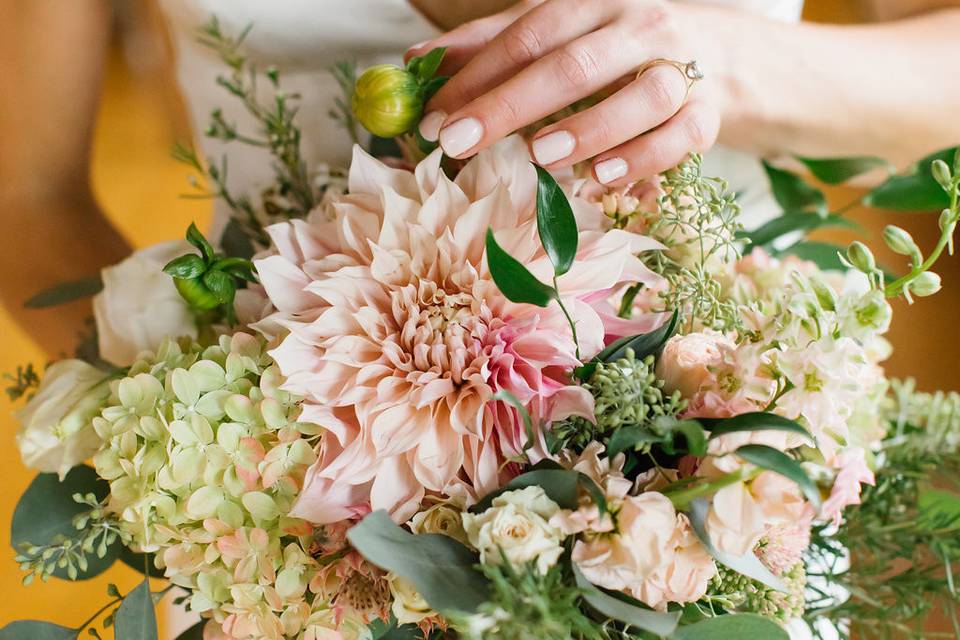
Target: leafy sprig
23 382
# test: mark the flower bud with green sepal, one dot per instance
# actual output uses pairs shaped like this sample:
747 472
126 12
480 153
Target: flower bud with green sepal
209 281
388 100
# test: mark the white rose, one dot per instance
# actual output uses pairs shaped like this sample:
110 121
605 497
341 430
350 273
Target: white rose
517 525
408 607
444 518
139 305
56 432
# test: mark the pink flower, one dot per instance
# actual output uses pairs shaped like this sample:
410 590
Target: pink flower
846 487
398 337
686 577
689 362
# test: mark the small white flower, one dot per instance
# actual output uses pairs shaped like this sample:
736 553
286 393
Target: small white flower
57 424
517 525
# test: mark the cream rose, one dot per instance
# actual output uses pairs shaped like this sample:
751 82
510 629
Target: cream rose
443 517
139 305
56 432
408 607
517 525
688 362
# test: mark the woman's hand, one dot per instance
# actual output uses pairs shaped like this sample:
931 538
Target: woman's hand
524 64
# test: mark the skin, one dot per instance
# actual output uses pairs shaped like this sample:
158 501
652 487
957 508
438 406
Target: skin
817 90
52 52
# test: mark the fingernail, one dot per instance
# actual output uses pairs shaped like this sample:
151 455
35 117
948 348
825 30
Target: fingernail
610 169
553 146
430 125
461 136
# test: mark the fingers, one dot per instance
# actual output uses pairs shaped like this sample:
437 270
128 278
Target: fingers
641 105
573 71
693 129
537 33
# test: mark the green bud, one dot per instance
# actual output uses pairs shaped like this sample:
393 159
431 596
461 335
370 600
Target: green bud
925 284
941 173
899 241
861 257
387 100
197 294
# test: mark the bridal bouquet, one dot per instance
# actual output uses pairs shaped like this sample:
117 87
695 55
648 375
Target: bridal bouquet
437 399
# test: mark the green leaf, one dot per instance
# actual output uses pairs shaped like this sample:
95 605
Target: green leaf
754 421
36 630
791 223
391 631
426 66
642 345
823 254
439 567
237 267
136 619
693 434
938 510
916 190
46 510
193 633
627 438
779 462
188 266
839 170
748 564
560 485
555 222
139 561
197 239
732 627
792 193
65 292
513 279
625 609
220 285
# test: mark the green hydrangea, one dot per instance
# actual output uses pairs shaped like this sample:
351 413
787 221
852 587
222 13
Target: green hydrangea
746 595
626 392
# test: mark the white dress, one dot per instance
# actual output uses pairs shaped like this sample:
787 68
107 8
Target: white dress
303 38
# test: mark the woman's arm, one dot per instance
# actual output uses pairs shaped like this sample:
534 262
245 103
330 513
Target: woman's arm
53 229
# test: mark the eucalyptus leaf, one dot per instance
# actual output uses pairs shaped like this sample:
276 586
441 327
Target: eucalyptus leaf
136 618
839 170
65 292
555 222
625 609
789 223
642 345
732 627
513 279
792 193
36 630
748 564
46 510
916 190
193 633
441 569
779 462
560 485
754 421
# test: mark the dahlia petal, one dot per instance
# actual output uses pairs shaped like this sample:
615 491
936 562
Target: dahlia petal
369 175
396 489
285 284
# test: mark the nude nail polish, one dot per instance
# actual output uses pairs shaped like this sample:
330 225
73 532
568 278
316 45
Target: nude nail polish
461 136
553 147
610 169
430 125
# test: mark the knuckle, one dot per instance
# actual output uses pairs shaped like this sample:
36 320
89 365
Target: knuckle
662 89
522 44
700 128
576 65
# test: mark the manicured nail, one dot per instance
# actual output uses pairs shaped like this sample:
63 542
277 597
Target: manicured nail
461 136
610 169
430 125
553 146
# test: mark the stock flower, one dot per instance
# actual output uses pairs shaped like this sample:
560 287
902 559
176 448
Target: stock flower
853 473
139 306
399 339
56 432
517 525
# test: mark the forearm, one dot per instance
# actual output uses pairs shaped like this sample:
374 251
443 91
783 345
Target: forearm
885 89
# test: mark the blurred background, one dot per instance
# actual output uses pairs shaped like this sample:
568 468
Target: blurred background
138 184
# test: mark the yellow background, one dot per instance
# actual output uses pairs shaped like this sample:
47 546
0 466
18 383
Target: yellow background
138 185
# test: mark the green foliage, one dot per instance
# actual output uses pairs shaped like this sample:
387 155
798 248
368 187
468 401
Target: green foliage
36 630
754 421
555 223
745 595
779 462
732 627
793 194
525 605
839 170
916 190
61 529
22 383
513 279
65 292
642 345
823 254
624 609
769 232
136 619
345 73
441 568
561 485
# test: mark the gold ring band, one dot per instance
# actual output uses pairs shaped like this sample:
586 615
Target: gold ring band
690 70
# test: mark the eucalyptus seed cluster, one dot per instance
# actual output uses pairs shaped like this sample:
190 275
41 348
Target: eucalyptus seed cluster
626 392
746 595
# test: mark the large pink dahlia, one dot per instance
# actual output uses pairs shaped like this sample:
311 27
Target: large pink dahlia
398 338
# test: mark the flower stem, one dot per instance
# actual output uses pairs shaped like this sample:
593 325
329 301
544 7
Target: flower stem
682 497
573 326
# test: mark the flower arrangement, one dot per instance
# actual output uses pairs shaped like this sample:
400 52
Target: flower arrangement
477 400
